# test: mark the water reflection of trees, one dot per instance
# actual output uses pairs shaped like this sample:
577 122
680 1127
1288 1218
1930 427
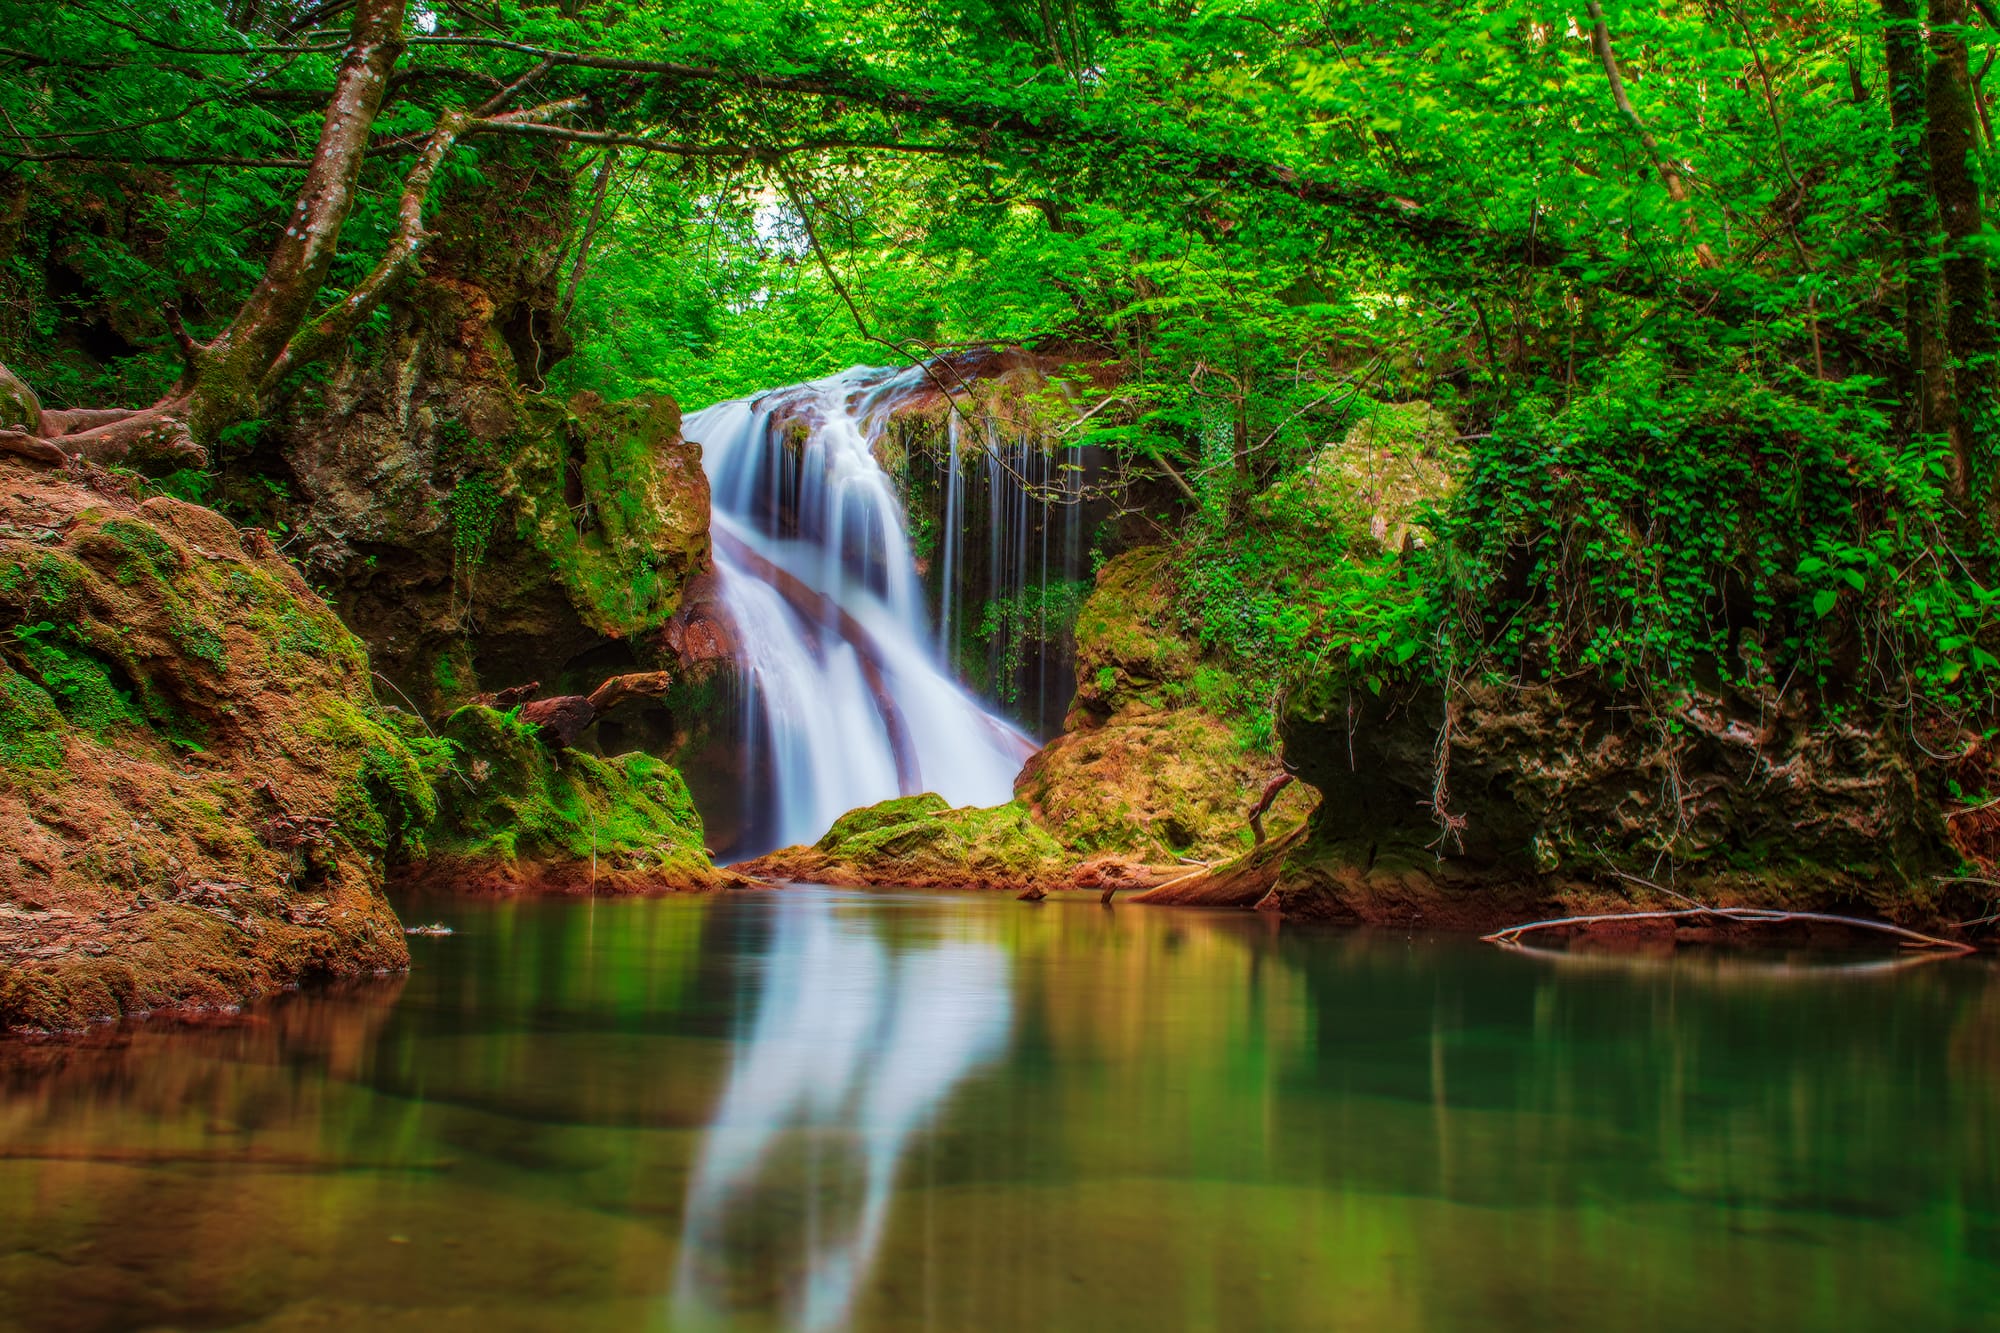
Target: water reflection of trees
967 1112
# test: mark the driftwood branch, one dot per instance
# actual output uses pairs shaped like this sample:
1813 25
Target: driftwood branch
562 719
1757 916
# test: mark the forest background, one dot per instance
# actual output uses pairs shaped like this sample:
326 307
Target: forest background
1702 288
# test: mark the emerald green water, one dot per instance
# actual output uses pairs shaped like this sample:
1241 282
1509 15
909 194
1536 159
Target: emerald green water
818 1110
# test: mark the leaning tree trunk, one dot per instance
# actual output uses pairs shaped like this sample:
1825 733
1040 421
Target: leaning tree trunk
225 377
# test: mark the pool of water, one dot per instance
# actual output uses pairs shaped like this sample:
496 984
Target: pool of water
817 1109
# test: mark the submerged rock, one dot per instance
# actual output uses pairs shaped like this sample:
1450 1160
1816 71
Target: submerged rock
197 790
922 841
525 817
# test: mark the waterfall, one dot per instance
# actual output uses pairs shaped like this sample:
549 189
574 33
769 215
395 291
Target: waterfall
850 699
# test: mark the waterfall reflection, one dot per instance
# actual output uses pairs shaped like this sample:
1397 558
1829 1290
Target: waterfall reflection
855 1046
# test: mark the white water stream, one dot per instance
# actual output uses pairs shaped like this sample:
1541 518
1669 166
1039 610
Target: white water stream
849 701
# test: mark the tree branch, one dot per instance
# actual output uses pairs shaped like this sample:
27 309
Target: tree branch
1670 175
743 152
331 328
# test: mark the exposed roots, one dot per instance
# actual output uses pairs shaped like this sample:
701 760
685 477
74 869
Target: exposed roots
109 435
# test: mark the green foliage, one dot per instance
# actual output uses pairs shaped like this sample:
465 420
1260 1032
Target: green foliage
475 502
1037 619
1664 529
74 677
31 728
1696 436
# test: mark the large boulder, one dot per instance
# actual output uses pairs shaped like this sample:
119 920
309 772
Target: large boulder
923 841
197 789
1158 760
1527 801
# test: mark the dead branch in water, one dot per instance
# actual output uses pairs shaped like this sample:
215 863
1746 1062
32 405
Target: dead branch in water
1757 916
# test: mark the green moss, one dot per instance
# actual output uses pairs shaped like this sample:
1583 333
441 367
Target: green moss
59 581
146 552
75 678
923 840
640 530
199 640
520 801
31 728
1127 648
388 799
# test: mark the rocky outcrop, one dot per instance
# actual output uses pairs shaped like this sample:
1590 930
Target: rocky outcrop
521 817
1153 762
1542 801
197 789
922 841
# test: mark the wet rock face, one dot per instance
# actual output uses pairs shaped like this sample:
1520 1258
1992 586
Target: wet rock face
197 791
1551 797
474 531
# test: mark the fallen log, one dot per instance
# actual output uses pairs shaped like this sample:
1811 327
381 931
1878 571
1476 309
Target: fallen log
1759 916
563 717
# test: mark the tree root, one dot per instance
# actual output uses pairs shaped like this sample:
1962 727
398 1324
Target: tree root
1263 806
1741 915
108 435
564 717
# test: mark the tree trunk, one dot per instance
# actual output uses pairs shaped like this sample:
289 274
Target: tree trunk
1952 139
222 383
1910 215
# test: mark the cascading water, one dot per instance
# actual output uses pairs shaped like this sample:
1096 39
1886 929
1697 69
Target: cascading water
849 700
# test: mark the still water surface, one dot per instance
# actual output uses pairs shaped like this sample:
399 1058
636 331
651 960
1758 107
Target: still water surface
816 1110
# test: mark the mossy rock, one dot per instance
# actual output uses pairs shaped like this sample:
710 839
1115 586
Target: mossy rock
198 790
1369 491
525 817
925 842
1158 759
1165 785
20 409
1128 648
644 502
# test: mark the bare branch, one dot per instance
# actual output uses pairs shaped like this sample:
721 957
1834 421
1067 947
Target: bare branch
741 152
326 332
